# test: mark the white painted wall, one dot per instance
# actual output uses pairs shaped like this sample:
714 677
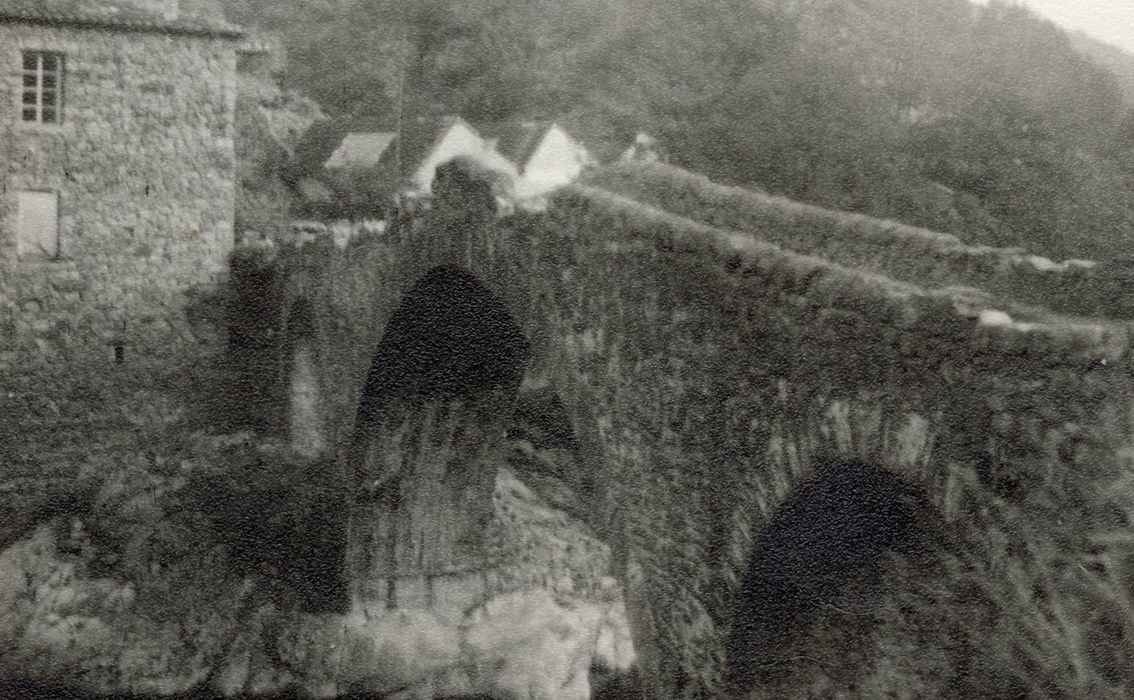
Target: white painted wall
643 150
555 162
306 423
459 140
37 224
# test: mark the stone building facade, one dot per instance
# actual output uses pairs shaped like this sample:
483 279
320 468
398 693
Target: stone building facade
117 173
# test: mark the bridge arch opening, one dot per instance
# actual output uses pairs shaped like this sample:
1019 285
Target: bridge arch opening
546 455
847 559
306 427
429 432
541 419
449 338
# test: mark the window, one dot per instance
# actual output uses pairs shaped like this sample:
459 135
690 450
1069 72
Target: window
37 221
43 87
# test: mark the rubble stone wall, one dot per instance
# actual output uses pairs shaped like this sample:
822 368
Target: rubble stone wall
143 166
708 374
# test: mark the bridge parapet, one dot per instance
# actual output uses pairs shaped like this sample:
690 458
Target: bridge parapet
923 257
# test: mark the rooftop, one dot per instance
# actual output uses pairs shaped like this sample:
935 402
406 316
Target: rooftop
360 149
127 15
419 137
517 140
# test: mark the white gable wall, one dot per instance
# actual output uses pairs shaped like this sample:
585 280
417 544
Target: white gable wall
459 140
555 162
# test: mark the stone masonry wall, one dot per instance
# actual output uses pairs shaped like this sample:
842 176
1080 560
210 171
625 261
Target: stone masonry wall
143 166
707 373
722 369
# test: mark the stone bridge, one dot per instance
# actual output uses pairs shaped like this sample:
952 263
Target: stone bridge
770 405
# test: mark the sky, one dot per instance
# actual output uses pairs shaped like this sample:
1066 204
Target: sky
1109 20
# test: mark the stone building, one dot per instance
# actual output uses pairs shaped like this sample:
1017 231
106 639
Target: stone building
116 173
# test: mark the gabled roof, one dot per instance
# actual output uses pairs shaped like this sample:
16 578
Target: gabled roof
331 144
517 140
419 138
112 14
360 149
604 138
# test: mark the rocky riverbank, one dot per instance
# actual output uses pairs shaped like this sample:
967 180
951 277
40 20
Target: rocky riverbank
181 563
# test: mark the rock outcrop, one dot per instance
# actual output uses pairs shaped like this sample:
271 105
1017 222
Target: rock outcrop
139 591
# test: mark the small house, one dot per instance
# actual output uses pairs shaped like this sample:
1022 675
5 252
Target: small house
544 155
645 149
426 143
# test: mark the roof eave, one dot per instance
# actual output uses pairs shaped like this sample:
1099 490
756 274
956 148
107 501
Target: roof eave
111 25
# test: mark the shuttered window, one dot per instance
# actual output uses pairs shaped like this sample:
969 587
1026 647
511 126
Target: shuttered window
37 223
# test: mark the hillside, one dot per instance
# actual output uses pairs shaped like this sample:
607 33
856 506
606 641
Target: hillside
1116 60
986 122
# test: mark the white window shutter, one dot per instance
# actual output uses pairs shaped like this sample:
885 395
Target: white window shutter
37 224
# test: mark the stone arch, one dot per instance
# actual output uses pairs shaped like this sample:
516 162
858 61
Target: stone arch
306 420
450 336
854 542
430 422
822 554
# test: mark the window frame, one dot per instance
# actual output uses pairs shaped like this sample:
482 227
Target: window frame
38 90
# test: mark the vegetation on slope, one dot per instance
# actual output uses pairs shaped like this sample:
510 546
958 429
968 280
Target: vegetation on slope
1116 60
986 122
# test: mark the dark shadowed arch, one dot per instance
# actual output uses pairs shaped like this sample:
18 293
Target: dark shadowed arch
824 556
450 337
430 431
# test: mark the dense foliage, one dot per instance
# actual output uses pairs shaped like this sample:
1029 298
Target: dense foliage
982 121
